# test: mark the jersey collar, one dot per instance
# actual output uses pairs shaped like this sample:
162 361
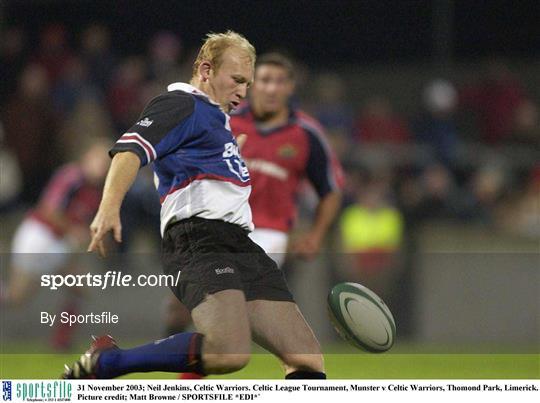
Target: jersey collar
190 89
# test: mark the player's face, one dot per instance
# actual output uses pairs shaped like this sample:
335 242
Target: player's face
272 89
229 84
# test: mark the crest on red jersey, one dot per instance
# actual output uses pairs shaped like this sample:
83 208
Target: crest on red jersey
287 151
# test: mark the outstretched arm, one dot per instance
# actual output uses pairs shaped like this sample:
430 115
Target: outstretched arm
122 173
324 172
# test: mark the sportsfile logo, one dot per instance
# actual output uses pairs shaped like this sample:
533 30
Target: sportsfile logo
6 391
55 391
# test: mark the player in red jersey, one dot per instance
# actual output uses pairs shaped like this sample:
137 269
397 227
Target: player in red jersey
284 146
57 227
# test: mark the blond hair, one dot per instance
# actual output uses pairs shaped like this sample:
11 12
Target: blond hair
216 44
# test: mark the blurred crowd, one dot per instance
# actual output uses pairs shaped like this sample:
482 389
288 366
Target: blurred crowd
469 153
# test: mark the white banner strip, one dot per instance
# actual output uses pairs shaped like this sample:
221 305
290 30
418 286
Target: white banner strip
268 391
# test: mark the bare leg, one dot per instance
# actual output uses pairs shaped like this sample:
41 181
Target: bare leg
279 327
177 316
222 318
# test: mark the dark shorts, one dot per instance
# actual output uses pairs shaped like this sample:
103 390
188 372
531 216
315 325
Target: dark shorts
213 256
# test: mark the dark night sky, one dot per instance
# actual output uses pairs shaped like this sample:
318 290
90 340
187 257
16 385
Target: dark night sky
326 32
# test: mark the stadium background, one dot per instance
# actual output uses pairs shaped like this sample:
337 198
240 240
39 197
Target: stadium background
432 106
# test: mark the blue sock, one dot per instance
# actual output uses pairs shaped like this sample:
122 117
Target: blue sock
177 353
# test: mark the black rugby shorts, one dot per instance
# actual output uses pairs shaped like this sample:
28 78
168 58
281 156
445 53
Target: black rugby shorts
214 255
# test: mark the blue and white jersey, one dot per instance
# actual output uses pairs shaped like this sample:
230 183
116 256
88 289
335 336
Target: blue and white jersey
196 160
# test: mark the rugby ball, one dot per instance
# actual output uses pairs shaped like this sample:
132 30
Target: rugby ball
361 317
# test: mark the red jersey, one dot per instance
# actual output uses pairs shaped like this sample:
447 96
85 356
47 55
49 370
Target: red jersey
278 159
71 195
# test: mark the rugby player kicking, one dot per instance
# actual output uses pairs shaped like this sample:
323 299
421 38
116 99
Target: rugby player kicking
235 292
283 147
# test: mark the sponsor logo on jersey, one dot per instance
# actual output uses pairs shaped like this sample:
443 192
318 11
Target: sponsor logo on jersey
231 156
145 122
268 168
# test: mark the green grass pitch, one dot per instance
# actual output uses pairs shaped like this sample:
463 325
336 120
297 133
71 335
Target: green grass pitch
342 362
